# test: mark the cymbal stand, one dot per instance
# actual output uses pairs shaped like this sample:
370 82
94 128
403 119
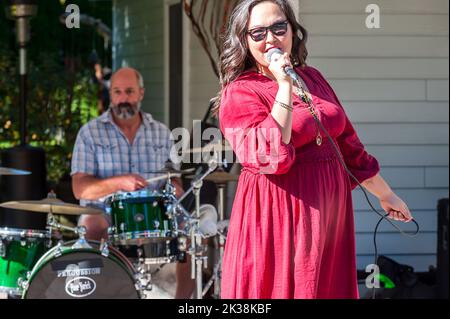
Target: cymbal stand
220 243
212 165
198 259
218 269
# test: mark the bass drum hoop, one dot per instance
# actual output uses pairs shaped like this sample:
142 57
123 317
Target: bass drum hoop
119 258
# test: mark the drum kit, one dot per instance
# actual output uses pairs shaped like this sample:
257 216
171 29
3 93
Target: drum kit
147 228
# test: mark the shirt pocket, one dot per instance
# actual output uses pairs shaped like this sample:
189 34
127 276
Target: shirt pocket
157 155
108 158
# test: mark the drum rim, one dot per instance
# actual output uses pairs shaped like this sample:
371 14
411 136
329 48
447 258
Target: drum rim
135 194
126 264
16 292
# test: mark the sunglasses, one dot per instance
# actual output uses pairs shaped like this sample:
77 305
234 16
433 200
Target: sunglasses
260 33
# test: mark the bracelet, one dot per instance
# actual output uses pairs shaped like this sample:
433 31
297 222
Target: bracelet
284 105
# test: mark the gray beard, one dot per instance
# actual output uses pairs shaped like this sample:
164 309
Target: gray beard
125 112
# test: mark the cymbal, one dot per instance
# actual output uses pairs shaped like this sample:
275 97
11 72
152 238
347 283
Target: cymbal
51 205
12 171
211 147
219 177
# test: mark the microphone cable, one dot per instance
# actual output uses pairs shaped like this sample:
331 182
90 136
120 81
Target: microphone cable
303 96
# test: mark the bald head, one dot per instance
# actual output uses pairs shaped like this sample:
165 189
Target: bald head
128 73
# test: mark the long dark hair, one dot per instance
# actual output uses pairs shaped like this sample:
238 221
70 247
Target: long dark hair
235 57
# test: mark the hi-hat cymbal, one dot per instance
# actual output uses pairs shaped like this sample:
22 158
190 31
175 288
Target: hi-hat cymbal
219 177
51 205
12 171
211 147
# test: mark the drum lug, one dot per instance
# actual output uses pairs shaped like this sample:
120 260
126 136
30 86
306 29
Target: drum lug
23 283
81 242
167 247
182 243
104 249
112 230
58 250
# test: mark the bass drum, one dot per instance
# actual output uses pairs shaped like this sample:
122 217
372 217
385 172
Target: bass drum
68 272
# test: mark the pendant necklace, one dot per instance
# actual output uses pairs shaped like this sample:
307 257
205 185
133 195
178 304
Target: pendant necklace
305 97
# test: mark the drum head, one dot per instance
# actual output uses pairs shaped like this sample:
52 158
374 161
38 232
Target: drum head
81 274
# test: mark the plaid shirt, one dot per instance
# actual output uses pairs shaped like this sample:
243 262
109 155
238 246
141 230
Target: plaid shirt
102 150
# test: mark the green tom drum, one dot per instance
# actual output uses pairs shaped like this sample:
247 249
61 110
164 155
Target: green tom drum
20 249
140 217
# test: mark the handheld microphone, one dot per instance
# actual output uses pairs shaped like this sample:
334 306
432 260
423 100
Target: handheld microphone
277 53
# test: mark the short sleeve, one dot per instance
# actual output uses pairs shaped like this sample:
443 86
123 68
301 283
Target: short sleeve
255 136
360 163
83 156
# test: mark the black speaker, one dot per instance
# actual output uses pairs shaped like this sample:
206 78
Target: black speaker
442 249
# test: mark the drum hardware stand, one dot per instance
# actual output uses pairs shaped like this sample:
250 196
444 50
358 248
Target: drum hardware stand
79 230
143 277
217 271
217 275
198 260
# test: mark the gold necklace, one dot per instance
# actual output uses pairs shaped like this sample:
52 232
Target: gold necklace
301 92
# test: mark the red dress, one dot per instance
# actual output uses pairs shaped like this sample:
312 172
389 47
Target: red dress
291 232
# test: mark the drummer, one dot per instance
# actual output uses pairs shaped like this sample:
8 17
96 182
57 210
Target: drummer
115 153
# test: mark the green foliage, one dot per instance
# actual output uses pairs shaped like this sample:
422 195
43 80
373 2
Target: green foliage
49 34
62 95
59 103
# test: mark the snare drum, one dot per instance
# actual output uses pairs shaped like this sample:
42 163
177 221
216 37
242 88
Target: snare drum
20 249
66 272
140 217
161 252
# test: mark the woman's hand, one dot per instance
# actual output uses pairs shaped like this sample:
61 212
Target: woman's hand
276 67
396 208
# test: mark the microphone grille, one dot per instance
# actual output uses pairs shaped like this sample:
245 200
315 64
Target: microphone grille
273 51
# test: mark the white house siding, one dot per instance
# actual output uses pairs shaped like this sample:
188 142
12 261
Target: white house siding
393 83
138 41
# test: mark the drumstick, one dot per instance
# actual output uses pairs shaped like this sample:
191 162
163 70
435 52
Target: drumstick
155 179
